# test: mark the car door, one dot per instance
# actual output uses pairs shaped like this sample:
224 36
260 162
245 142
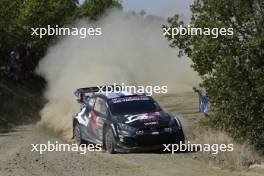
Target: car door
100 112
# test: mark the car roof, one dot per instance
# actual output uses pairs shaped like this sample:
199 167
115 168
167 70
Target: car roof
111 95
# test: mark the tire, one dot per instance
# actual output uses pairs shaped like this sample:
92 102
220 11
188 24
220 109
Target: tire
181 136
110 141
77 134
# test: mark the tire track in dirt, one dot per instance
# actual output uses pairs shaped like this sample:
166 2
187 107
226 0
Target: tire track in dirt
16 158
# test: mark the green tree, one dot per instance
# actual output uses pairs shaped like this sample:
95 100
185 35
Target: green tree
18 17
232 67
39 13
8 12
95 8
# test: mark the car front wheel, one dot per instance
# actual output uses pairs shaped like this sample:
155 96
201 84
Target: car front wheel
110 141
181 136
78 135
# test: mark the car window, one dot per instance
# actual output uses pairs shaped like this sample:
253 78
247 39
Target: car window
100 106
132 105
91 102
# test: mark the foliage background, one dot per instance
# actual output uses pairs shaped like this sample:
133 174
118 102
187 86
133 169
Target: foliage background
232 67
19 16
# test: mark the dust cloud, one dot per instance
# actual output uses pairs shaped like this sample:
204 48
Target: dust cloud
131 50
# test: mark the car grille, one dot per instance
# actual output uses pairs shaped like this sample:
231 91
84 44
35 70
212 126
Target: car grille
148 139
155 139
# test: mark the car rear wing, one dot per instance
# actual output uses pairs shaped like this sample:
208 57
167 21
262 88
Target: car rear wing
82 93
86 90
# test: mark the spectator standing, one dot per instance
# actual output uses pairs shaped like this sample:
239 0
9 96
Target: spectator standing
203 102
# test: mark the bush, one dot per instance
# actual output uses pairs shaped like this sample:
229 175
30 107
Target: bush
232 67
242 157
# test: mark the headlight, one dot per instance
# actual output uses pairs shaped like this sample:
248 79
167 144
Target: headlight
125 129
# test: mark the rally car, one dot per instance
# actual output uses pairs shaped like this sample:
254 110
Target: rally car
123 121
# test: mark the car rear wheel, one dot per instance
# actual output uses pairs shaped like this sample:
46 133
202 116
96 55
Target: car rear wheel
110 141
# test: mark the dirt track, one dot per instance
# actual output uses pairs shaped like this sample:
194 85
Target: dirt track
16 157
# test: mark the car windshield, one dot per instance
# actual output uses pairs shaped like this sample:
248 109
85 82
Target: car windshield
133 105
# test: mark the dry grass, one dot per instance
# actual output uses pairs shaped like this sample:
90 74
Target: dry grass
185 105
242 157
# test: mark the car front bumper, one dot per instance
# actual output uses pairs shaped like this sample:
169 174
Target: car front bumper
147 142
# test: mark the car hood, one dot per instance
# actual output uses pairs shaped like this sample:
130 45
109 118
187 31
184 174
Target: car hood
143 120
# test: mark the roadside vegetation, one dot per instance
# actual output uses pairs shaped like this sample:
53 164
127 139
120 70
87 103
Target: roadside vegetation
242 157
19 16
20 102
232 67
21 90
